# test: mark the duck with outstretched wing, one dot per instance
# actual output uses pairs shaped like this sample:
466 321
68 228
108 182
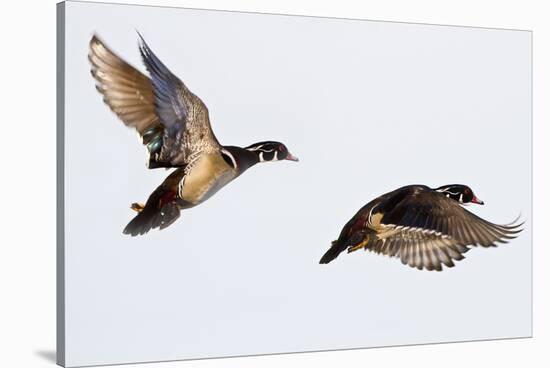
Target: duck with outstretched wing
426 228
174 126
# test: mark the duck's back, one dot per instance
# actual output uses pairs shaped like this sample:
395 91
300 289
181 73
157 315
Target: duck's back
356 227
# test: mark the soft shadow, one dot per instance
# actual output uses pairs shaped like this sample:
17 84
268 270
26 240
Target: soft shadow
48 355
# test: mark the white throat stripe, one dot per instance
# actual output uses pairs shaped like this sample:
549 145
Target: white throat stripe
228 154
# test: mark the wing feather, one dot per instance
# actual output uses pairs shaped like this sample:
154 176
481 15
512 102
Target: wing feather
424 250
423 228
122 86
174 120
427 230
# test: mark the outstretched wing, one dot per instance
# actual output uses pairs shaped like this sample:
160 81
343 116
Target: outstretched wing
172 121
426 229
185 116
125 90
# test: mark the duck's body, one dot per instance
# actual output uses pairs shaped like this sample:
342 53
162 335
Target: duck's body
208 175
424 227
174 125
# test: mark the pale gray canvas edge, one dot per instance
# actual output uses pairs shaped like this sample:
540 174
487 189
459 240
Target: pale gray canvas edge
60 187
532 181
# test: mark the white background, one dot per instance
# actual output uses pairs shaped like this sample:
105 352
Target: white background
368 107
28 269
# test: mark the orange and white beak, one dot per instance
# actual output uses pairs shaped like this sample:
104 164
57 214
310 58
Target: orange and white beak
291 157
477 200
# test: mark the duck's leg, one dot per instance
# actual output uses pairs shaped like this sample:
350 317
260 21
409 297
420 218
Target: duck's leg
138 207
359 246
361 243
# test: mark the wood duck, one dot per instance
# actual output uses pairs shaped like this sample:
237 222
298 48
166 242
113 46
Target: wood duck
174 126
424 227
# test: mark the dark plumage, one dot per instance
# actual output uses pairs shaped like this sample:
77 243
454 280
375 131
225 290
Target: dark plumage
424 227
175 127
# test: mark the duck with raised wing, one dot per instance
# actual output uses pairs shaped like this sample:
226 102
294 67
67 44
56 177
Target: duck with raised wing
424 227
175 127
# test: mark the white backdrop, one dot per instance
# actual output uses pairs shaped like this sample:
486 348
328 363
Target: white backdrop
368 107
28 332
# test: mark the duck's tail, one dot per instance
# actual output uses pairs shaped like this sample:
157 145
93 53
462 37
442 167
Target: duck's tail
161 210
333 252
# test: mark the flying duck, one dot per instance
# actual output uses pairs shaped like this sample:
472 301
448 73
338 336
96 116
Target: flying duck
174 126
424 227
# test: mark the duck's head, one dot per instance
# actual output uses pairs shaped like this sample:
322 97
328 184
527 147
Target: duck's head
271 151
460 193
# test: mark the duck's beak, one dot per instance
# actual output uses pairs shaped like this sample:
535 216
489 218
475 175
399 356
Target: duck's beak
291 157
477 200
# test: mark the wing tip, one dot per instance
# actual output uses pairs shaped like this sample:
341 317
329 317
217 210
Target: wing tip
512 229
95 38
96 42
141 39
97 53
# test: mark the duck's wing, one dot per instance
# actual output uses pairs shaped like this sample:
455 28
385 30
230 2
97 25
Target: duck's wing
172 121
426 229
125 90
